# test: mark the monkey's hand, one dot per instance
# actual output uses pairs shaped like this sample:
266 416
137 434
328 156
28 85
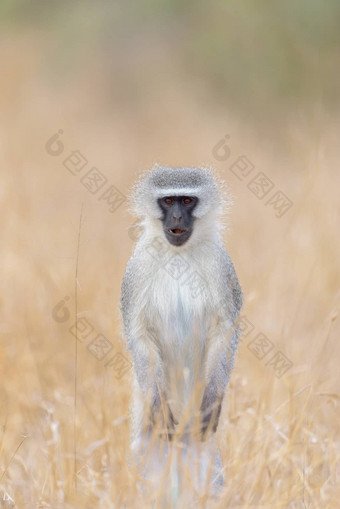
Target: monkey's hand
211 407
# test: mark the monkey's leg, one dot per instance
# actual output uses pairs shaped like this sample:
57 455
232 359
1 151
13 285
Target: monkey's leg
146 411
199 464
210 410
150 452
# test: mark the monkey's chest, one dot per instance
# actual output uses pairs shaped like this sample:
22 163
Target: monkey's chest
177 314
180 321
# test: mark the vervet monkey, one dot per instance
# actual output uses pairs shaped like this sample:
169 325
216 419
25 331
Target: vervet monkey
180 302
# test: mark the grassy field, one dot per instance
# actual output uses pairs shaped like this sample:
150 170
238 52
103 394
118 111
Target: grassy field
280 434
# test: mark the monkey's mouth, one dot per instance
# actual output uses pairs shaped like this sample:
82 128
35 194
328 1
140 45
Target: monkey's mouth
177 236
176 231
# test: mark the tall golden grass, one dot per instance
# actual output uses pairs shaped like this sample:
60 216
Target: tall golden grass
279 435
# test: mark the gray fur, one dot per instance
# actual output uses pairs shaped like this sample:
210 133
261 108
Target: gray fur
177 339
161 182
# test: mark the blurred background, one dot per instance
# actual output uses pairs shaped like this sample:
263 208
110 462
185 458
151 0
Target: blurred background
93 93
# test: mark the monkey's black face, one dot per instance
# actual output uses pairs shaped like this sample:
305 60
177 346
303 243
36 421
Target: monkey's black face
178 219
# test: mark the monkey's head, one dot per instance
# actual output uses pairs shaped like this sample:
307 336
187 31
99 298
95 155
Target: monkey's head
183 202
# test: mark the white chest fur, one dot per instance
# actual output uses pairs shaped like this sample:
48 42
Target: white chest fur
178 307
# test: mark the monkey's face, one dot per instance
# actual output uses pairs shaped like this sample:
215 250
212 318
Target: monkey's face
178 219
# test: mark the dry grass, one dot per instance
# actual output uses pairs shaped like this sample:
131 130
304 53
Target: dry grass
281 435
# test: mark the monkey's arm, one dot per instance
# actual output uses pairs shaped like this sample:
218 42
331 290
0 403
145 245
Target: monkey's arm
217 381
223 331
222 342
137 334
148 369
231 288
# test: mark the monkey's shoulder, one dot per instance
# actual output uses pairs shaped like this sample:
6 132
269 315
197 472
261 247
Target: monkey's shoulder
230 286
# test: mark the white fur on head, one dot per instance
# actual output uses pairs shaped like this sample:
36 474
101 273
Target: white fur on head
163 181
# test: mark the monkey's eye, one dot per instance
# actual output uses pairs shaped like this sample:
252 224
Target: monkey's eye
187 201
169 201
